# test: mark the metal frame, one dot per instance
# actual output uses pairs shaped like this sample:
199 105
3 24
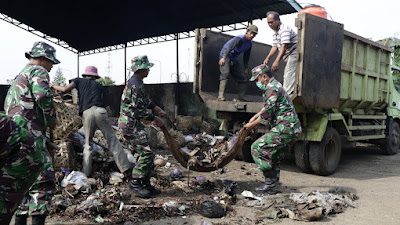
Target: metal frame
37 33
165 38
144 41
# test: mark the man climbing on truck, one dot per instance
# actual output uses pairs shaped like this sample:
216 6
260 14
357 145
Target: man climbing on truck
279 112
230 65
284 39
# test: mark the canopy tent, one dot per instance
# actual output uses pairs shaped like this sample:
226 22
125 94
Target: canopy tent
88 25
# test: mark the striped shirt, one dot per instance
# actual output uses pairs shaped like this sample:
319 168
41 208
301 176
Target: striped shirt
285 35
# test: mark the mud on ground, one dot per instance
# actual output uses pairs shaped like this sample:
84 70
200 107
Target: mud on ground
373 177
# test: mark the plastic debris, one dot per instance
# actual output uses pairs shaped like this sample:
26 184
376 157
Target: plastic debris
175 174
249 194
99 219
77 178
211 209
116 178
91 201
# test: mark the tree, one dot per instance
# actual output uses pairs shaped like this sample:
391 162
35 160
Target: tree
59 78
106 81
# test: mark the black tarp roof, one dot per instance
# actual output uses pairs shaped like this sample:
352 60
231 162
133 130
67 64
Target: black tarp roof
88 25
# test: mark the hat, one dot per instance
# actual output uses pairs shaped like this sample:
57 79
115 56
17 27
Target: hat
91 71
42 49
140 62
253 28
258 70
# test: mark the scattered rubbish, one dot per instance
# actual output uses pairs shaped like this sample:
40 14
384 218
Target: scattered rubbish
99 219
205 223
171 207
91 201
175 174
249 194
167 165
331 203
64 171
299 206
230 187
211 209
159 162
92 181
116 178
182 185
77 178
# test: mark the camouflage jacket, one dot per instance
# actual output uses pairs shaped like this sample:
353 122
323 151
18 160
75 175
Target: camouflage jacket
29 100
134 103
279 110
11 135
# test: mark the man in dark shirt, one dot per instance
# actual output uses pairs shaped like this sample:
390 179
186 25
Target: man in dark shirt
91 108
230 65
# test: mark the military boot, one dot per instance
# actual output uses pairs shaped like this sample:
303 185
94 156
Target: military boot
149 187
222 86
137 186
21 219
242 90
271 185
38 220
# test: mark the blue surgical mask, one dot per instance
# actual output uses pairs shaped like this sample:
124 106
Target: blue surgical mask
261 86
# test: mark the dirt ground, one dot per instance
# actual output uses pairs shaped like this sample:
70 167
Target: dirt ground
373 177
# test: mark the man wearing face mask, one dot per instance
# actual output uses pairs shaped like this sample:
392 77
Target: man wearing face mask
279 111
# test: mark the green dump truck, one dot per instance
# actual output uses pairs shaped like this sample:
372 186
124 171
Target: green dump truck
344 91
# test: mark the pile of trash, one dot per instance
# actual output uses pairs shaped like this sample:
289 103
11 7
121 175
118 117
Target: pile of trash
68 119
204 148
305 206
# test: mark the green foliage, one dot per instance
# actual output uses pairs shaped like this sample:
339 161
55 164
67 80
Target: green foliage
396 62
106 81
59 78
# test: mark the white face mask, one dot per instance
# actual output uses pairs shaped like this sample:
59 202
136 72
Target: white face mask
261 86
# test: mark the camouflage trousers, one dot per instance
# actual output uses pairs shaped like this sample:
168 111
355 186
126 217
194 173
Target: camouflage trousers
37 201
138 142
267 151
20 166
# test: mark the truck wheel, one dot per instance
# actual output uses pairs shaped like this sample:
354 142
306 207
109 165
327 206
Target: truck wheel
392 141
325 155
301 156
245 153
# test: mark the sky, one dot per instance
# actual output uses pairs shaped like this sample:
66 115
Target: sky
371 19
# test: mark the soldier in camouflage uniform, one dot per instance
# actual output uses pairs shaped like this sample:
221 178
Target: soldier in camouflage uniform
280 113
134 105
30 103
20 166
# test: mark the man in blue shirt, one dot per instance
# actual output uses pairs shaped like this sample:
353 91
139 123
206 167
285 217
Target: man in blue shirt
230 65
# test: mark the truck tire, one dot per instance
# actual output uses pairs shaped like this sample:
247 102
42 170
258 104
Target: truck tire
325 155
392 141
245 153
301 156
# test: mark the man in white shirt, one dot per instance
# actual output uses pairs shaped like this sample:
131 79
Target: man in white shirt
285 40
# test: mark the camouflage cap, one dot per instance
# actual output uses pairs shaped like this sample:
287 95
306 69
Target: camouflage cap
253 28
258 70
42 49
140 62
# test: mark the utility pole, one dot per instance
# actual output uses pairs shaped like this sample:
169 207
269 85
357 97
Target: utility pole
109 65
